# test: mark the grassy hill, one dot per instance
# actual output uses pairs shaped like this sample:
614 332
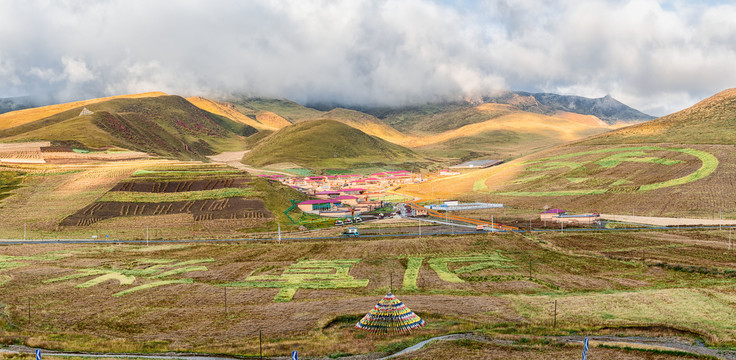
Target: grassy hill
710 121
20 117
168 126
329 144
678 165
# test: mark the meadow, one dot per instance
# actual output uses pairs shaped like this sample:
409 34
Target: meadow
308 294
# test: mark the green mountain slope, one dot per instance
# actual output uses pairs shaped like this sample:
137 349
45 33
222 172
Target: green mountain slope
167 126
329 144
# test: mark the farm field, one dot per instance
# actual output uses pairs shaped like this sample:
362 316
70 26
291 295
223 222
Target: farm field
135 199
307 295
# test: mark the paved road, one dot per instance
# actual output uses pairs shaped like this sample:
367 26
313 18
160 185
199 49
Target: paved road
666 221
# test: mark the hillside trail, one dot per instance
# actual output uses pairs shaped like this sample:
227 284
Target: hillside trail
232 158
666 221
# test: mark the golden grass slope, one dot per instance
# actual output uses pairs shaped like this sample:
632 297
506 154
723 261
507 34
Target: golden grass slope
368 124
225 109
564 128
20 117
272 120
264 120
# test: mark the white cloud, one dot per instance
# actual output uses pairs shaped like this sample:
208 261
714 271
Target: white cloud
656 56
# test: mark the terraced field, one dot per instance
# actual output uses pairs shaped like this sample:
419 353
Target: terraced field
210 196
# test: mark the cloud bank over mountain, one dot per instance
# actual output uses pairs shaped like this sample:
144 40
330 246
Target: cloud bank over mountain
656 56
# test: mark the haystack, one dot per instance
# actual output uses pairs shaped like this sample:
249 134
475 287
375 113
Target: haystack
390 315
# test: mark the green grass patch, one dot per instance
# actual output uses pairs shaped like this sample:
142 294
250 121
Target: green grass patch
626 154
9 181
181 271
553 165
710 163
148 197
299 171
480 262
306 274
153 285
122 279
412 273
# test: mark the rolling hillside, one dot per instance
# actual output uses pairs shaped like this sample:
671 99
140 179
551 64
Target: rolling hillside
20 117
168 126
678 165
329 144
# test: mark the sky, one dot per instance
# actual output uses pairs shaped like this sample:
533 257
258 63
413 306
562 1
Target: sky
656 56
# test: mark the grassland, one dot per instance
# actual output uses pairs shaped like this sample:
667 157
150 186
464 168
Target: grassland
309 294
9 180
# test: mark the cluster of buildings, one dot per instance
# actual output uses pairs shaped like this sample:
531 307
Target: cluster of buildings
341 196
561 216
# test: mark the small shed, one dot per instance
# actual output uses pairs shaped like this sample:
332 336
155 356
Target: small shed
312 206
551 214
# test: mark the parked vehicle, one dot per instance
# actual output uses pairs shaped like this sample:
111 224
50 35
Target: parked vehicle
339 223
358 219
348 221
351 232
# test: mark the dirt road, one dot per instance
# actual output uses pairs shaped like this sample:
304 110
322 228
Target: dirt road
232 158
666 221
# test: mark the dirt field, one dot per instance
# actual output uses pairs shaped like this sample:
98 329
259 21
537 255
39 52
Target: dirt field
164 186
228 208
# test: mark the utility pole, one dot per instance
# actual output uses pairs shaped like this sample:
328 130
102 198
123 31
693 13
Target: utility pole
530 269
720 220
24 231
493 225
146 235
420 229
260 343
279 233
729 239
555 323
225 301
530 225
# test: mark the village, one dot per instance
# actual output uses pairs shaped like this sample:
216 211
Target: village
346 197
350 195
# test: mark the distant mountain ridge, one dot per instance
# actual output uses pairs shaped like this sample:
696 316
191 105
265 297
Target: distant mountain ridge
605 108
16 103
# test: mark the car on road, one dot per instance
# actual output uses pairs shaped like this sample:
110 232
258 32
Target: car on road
358 219
351 232
339 223
348 221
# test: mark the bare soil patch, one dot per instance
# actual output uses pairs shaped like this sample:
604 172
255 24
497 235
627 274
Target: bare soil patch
228 208
181 186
